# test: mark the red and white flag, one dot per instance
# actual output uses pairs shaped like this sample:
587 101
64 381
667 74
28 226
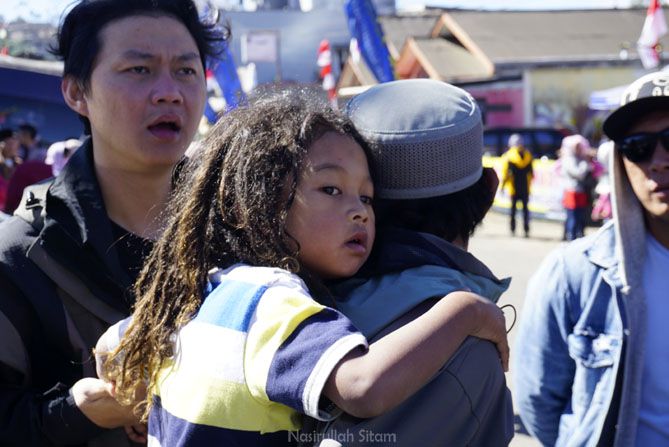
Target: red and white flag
654 27
325 62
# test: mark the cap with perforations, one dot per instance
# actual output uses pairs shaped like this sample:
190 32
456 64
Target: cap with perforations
426 137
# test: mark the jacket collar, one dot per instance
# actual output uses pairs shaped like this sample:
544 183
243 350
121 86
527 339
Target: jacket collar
398 249
602 250
77 231
77 192
514 155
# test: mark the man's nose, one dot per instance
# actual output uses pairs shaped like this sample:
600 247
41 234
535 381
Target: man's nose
166 90
660 159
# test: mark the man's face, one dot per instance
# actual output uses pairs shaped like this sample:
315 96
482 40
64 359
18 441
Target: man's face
146 93
24 138
650 179
9 147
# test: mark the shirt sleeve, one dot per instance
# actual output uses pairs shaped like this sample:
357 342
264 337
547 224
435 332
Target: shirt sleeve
543 368
293 345
107 343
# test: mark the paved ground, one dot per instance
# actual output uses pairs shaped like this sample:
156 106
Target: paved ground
519 258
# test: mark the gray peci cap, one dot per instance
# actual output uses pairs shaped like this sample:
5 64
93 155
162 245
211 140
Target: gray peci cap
426 137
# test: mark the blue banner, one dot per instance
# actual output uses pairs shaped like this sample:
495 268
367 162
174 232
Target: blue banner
364 27
225 72
211 115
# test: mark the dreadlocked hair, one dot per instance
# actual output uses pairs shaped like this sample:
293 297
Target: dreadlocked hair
229 206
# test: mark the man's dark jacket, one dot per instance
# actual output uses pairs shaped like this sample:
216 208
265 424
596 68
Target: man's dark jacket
48 331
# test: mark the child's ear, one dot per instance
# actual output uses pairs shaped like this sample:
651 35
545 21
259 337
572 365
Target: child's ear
74 95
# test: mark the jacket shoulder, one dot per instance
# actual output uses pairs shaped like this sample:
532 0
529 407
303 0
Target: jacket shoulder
579 262
15 266
598 249
17 236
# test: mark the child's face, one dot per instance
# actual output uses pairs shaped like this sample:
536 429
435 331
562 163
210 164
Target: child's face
331 216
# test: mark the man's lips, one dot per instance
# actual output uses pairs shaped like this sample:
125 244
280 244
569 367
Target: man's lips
165 126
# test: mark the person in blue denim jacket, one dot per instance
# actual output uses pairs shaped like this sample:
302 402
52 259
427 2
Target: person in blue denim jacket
590 359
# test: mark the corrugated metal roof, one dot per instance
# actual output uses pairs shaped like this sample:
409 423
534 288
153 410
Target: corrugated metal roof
398 28
518 36
452 61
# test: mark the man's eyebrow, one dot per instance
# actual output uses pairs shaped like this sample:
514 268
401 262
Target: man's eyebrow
186 57
137 54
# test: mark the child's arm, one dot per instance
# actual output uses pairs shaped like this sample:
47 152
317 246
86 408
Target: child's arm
369 383
107 343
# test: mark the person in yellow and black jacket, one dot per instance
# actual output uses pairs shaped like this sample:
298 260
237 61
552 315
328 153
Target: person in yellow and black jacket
516 178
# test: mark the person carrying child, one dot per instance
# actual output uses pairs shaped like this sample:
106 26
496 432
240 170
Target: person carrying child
234 347
432 191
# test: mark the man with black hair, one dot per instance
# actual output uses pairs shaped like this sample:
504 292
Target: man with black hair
431 192
28 146
134 73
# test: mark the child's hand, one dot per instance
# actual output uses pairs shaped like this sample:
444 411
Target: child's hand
137 433
100 359
490 325
106 344
94 398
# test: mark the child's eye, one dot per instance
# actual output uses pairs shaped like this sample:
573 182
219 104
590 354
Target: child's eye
331 190
367 200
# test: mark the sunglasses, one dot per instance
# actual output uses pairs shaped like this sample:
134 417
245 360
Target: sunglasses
640 147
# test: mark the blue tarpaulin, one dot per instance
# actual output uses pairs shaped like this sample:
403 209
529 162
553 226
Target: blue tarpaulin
225 72
30 93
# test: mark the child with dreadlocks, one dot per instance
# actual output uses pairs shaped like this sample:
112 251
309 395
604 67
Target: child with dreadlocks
234 347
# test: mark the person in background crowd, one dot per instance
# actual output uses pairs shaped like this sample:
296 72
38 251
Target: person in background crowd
590 362
576 166
9 160
33 171
26 174
601 209
517 177
60 152
134 73
29 148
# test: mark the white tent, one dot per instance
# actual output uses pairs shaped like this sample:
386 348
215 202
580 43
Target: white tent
607 99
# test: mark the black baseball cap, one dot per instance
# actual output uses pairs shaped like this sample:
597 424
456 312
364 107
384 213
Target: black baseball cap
647 94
